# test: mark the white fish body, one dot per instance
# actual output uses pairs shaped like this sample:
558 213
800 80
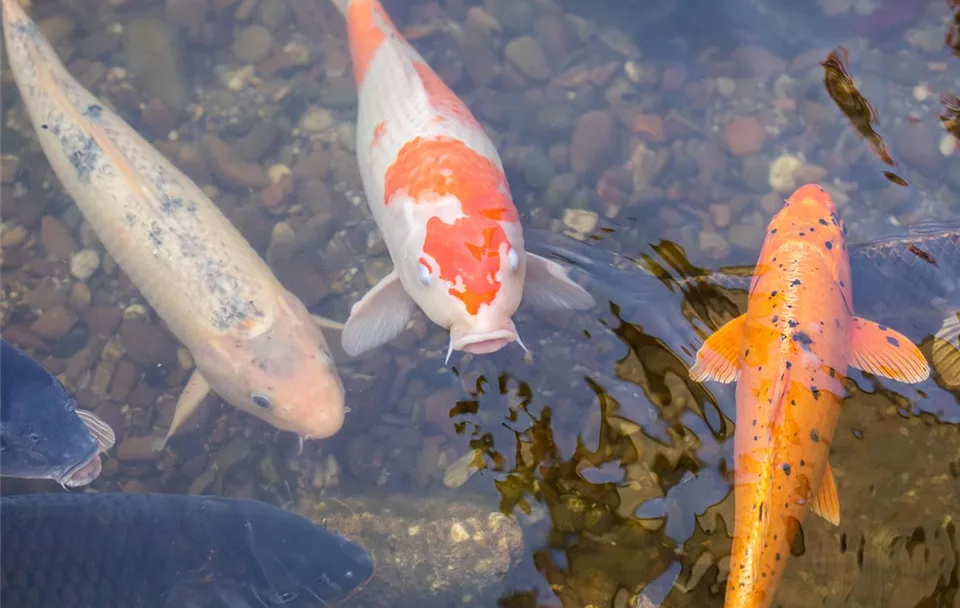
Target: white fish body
253 342
438 193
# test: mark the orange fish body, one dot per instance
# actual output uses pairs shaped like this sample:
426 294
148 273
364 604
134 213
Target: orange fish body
789 355
436 188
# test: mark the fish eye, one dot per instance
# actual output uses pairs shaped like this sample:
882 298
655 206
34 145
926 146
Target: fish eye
423 273
34 438
260 400
513 260
289 596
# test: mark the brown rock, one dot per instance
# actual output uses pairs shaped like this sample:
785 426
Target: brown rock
745 135
274 195
24 339
138 448
57 239
479 60
673 77
156 115
593 142
147 344
53 323
102 321
124 380
231 169
313 166
758 61
648 127
9 168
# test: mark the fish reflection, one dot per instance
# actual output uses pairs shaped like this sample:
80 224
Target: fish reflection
857 108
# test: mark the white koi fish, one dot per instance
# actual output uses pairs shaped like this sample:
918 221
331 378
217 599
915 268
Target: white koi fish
437 190
253 342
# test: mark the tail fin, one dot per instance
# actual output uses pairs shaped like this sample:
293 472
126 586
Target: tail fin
341 6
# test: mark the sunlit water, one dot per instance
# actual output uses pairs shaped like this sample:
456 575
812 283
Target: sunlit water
680 125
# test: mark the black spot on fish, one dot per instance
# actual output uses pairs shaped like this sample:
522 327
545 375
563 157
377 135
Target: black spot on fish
789 364
44 126
155 235
84 159
775 318
804 339
814 436
774 231
792 323
773 293
828 245
833 373
93 111
883 327
802 463
893 341
823 222
803 234
786 468
795 282
816 393
923 255
777 557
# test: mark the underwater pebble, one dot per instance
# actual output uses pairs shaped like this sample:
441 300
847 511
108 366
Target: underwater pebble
252 44
84 263
782 173
462 469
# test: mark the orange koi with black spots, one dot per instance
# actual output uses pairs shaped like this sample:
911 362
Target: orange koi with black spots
437 190
789 355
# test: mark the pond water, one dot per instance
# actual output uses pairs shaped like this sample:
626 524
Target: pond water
637 139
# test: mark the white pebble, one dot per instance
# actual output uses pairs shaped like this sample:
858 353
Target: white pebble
726 86
84 263
780 176
948 144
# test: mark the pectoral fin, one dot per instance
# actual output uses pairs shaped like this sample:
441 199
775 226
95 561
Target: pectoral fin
547 287
884 352
717 358
827 504
101 431
946 350
379 316
190 399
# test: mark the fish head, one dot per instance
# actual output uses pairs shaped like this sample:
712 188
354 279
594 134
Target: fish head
41 435
467 276
282 373
809 218
302 563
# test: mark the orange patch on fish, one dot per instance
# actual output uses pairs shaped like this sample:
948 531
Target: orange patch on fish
444 100
429 169
366 23
468 252
378 132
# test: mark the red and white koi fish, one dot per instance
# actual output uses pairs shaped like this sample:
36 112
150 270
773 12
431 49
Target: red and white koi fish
253 342
789 355
437 190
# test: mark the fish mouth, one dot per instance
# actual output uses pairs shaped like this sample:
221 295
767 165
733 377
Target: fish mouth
485 342
83 473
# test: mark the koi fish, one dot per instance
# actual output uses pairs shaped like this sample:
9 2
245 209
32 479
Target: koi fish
253 342
437 191
43 435
789 354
